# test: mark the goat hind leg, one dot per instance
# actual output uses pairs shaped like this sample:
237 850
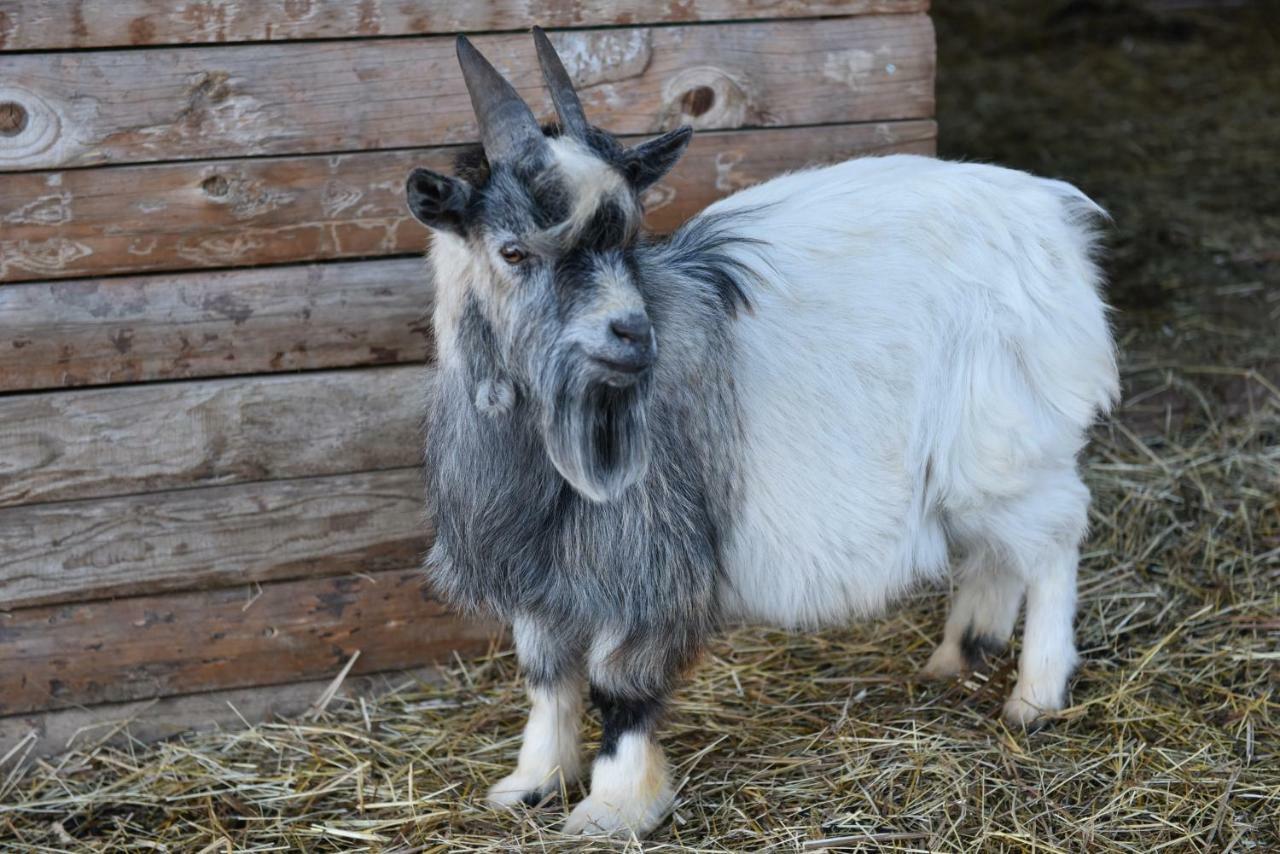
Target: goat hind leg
1040 533
983 612
1048 642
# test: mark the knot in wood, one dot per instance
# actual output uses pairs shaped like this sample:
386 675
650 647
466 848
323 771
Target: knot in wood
215 185
13 118
698 100
705 96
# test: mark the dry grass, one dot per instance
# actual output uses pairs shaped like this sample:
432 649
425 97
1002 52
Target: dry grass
786 743
794 742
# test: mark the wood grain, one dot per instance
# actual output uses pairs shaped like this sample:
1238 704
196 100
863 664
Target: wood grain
227 213
151 438
118 650
49 24
63 334
125 106
215 537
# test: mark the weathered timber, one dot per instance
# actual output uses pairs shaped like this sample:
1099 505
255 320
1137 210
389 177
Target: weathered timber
720 163
228 213
215 537
114 651
76 333
151 438
123 106
31 735
51 24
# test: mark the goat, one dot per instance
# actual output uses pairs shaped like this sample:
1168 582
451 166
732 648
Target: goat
789 411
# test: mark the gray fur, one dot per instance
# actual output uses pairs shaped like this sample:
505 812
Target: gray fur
583 428
515 539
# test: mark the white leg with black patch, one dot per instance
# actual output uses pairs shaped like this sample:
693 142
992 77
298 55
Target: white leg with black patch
630 790
550 755
983 612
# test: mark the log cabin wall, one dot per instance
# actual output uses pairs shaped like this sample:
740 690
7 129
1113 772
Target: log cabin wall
214 314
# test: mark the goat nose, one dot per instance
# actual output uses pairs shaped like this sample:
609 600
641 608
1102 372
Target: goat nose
634 329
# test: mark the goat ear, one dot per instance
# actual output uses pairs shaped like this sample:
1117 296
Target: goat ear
649 161
438 201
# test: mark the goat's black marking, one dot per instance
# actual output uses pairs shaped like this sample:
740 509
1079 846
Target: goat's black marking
622 715
534 798
979 649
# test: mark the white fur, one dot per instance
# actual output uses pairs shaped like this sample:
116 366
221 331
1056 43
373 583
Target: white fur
630 791
550 754
593 182
922 364
456 272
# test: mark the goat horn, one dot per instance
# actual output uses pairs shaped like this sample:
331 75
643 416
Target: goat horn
573 121
506 123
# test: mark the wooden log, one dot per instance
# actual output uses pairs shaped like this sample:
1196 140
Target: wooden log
125 106
150 438
125 330
245 212
216 537
119 650
51 24
34 734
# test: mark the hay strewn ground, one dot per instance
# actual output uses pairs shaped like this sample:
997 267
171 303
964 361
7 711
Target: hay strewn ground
786 743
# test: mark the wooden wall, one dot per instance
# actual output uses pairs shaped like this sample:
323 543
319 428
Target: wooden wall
214 317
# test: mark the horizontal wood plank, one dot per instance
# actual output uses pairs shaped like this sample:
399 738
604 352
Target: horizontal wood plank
50 24
76 333
719 164
34 734
150 438
124 106
228 213
118 650
226 535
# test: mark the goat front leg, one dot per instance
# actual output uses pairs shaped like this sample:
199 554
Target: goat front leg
550 755
631 788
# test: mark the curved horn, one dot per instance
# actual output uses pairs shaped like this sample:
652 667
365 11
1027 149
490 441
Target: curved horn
573 121
506 122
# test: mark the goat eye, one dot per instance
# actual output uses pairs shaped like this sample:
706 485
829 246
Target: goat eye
512 254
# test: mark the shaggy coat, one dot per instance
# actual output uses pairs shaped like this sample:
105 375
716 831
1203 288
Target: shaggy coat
806 400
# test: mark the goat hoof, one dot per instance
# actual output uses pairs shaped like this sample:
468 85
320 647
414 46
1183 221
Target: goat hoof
517 789
1025 711
947 661
594 817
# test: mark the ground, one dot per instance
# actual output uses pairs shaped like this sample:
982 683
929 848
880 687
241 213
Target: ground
1170 118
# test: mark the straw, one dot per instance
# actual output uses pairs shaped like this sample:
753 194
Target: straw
804 742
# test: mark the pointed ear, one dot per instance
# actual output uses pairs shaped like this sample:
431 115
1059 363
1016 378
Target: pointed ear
438 201
649 161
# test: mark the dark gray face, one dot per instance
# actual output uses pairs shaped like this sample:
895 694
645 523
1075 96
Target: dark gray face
539 241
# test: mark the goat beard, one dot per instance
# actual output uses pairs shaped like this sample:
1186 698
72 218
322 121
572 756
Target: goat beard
597 435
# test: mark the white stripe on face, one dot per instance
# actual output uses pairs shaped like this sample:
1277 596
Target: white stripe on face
591 182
